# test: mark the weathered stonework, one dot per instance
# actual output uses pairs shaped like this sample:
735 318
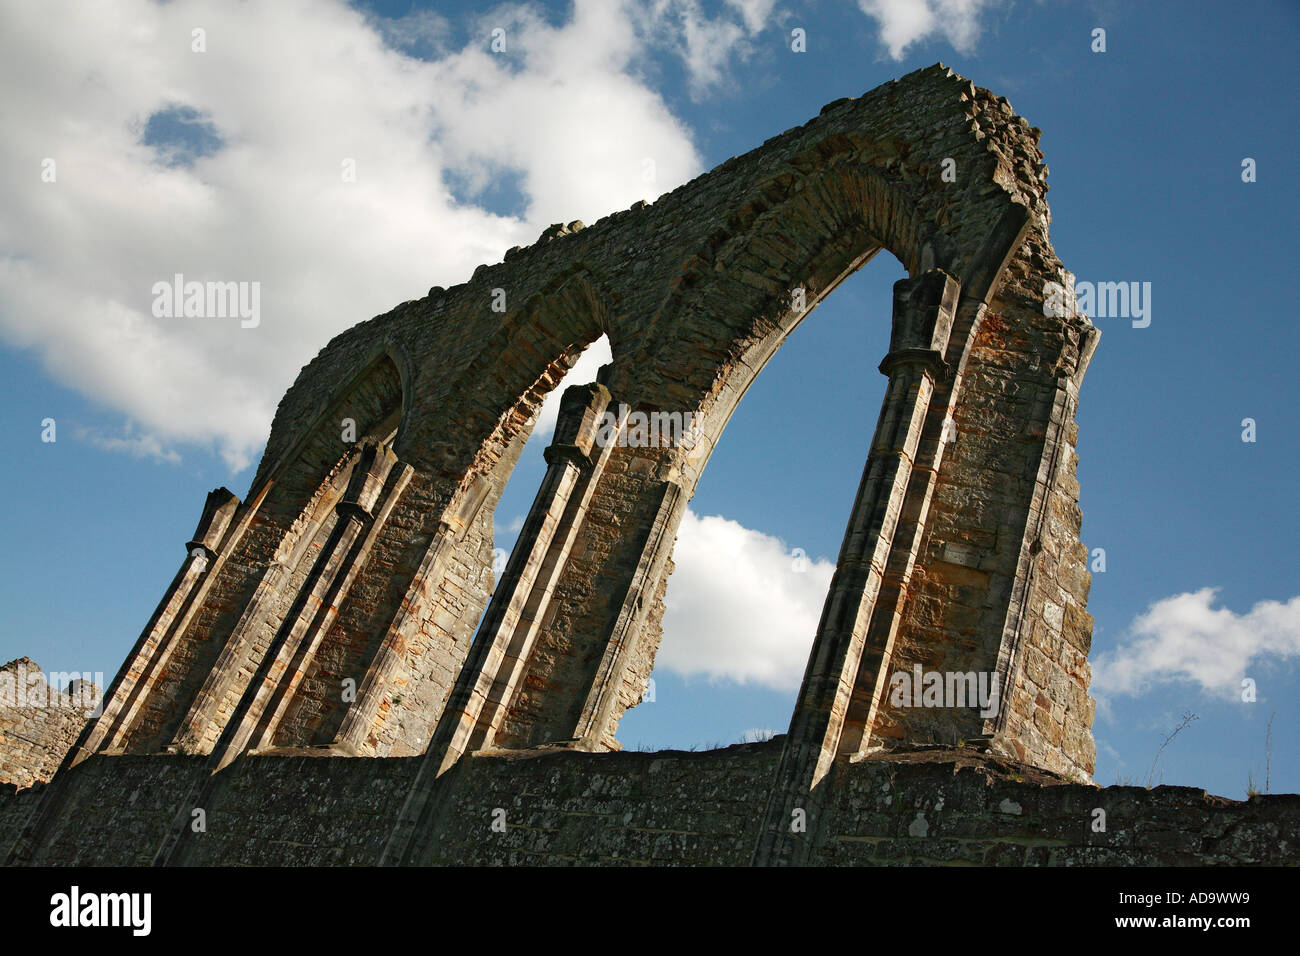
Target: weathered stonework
558 807
39 723
329 615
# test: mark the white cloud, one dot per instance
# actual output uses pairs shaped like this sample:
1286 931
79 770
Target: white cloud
290 90
753 12
1185 638
137 446
740 605
706 45
422 33
561 111
905 22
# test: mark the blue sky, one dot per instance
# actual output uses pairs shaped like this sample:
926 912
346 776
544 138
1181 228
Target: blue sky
226 162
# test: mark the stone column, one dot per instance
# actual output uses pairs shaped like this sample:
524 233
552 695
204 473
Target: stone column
490 677
376 483
153 649
365 712
598 708
923 316
886 618
242 644
1046 614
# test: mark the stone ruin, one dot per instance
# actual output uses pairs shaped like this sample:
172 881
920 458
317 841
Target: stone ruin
313 682
40 720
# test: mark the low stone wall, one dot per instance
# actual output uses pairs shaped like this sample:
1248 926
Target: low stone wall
300 811
947 807
561 807
115 811
620 808
15 806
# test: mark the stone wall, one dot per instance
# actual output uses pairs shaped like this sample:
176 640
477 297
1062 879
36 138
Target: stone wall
16 805
113 811
38 723
560 808
298 811
563 807
953 808
330 614
334 605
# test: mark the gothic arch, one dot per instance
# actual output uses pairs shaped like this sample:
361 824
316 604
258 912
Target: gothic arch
961 549
707 327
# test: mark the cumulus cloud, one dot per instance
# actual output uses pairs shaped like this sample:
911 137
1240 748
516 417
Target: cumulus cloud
560 110
1186 638
707 45
741 605
905 22
227 165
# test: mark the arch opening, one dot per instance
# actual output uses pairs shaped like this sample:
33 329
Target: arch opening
754 554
